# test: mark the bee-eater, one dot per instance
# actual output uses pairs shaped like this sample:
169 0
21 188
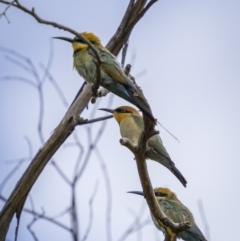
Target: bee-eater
174 209
131 125
113 77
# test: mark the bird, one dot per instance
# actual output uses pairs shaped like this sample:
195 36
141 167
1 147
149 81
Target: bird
131 125
113 77
175 210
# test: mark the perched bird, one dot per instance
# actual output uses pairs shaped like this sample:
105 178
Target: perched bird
174 209
131 125
113 77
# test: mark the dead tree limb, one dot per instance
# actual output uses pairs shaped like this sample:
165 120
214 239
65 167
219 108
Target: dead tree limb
14 204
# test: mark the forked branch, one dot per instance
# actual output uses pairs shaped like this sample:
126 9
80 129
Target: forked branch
136 9
139 151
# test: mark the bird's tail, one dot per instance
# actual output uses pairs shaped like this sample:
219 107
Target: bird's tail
178 175
168 163
193 233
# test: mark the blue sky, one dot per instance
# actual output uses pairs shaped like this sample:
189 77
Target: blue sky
189 54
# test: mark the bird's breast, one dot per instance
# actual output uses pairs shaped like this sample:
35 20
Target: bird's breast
85 65
130 130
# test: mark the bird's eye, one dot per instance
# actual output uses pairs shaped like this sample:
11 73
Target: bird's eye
76 39
120 110
160 194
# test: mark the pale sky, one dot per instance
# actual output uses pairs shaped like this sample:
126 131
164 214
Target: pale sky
189 52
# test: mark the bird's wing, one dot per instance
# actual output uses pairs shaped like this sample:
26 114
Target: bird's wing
113 68
193 233
156 143
114 71
171 210
138 120
178 213
159 154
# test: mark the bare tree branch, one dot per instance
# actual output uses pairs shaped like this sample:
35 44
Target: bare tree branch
18 196
139 153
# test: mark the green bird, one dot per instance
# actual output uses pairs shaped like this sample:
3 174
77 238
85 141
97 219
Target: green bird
131 125
174 209
113 77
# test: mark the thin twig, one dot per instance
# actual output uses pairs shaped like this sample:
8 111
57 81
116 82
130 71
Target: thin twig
5 11
20 79
42 216
93 144
19 164
132 229
55 85
81 153
109 194
56 25
74 216
49 63
90 203
27 65
62 213
29 226
135 224
19 63
84 122
61 173
10 174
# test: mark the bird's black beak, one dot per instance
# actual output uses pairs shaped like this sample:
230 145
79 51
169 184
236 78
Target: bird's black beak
108 110
137 192
66 39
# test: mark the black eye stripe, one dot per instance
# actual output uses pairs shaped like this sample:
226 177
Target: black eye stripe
160 194
80 41
77 40
122 111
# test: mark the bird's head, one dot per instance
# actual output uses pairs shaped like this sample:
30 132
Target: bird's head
160 194
79 44
122 112
164 193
